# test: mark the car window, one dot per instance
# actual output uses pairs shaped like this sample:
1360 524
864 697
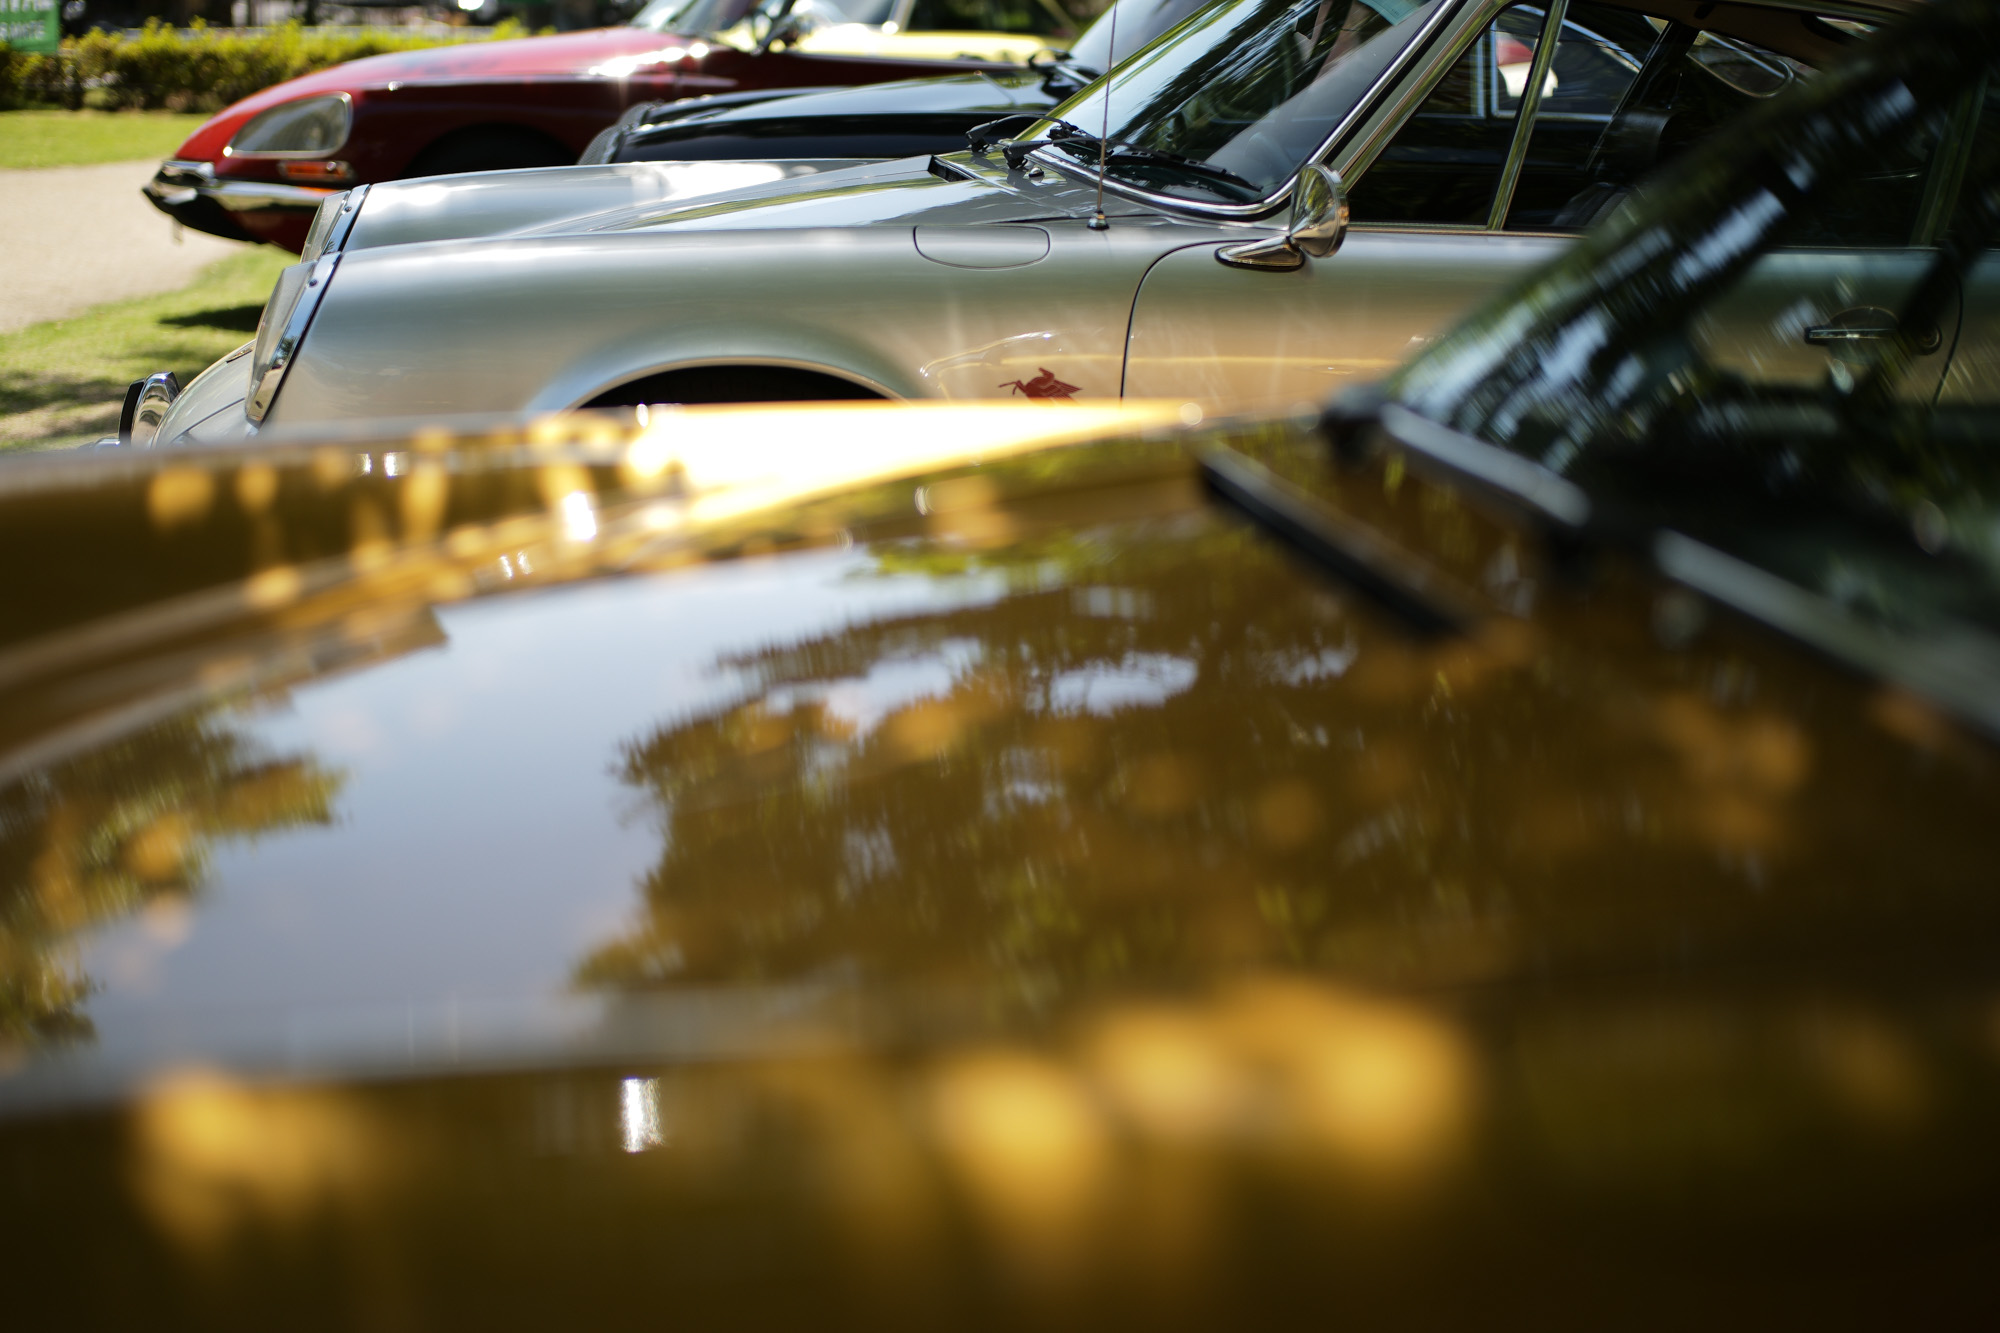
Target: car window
1680 86
1444 165
1626 93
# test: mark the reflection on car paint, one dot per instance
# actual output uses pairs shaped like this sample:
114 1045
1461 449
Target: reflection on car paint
1040 890
1043 385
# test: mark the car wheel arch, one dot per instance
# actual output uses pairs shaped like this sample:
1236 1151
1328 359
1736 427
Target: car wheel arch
735 379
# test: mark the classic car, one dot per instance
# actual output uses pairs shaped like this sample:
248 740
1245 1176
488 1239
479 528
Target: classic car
992 272
882 120
258 169
1512 853
708 145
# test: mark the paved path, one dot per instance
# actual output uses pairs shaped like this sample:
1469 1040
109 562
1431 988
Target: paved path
72 237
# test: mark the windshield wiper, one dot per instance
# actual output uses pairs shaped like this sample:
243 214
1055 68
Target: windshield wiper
1016 150
1225 183
1083 144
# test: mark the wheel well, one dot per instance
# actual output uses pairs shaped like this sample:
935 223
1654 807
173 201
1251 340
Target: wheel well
489 148
734 384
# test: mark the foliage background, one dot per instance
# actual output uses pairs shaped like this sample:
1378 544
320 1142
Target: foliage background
197 68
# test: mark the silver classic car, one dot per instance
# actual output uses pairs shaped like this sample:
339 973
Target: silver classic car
1174 229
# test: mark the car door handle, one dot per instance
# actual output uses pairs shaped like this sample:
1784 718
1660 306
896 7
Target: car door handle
1867 324
1823 334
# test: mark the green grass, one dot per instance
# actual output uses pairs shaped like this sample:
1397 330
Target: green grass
78 138
63 382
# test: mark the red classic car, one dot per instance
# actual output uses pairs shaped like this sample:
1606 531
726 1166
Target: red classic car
258 170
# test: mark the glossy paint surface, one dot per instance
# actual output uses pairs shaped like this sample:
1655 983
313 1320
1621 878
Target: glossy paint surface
1014 892
1269 341
487 203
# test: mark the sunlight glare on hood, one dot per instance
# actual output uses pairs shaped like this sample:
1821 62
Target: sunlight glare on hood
832 447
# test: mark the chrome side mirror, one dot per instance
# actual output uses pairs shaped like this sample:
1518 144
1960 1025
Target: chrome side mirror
146 404
1318 226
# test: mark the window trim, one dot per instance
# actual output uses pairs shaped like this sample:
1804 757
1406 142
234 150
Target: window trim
1397 112
1553 14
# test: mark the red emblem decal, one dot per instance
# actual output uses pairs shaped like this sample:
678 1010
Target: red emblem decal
1044 385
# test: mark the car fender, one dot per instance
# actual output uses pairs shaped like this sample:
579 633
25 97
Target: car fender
544 323
762 342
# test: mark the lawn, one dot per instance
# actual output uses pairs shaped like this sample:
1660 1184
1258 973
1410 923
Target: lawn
63 382
77 138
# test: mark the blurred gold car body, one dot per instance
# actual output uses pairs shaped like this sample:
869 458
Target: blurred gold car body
1195 943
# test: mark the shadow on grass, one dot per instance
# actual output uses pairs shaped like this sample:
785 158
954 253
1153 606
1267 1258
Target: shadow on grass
28 392
235 319
40 408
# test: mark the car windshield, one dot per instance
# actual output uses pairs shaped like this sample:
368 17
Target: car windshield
1250 90
703 17
1789 349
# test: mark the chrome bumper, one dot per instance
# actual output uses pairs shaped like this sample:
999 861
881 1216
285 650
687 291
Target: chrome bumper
189 193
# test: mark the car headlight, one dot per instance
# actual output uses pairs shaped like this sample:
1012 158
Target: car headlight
282 326
309 126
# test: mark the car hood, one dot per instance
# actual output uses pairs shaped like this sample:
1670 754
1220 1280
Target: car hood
489 203
889 849
959 189
1002 94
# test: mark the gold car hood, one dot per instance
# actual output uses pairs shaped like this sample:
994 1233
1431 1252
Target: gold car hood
588 866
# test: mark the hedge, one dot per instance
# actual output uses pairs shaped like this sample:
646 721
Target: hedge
197 68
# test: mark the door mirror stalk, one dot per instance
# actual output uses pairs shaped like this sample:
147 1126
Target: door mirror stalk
1317 227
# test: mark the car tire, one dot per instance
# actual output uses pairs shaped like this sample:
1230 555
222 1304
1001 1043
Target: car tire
489 148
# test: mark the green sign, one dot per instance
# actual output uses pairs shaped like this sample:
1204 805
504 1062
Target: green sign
31 25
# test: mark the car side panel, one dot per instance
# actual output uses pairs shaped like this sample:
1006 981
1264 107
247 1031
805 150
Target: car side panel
544 324
1262 339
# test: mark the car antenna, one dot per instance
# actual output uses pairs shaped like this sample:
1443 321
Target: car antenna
1098 222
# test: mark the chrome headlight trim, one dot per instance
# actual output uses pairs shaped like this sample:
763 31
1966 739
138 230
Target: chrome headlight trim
286 317
146 404
332 223
345 103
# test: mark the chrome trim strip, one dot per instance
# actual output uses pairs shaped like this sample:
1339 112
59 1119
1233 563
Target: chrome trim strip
1514 479
265 390
1524 119
335 239
1958 669
174 168
248 196
1392 114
